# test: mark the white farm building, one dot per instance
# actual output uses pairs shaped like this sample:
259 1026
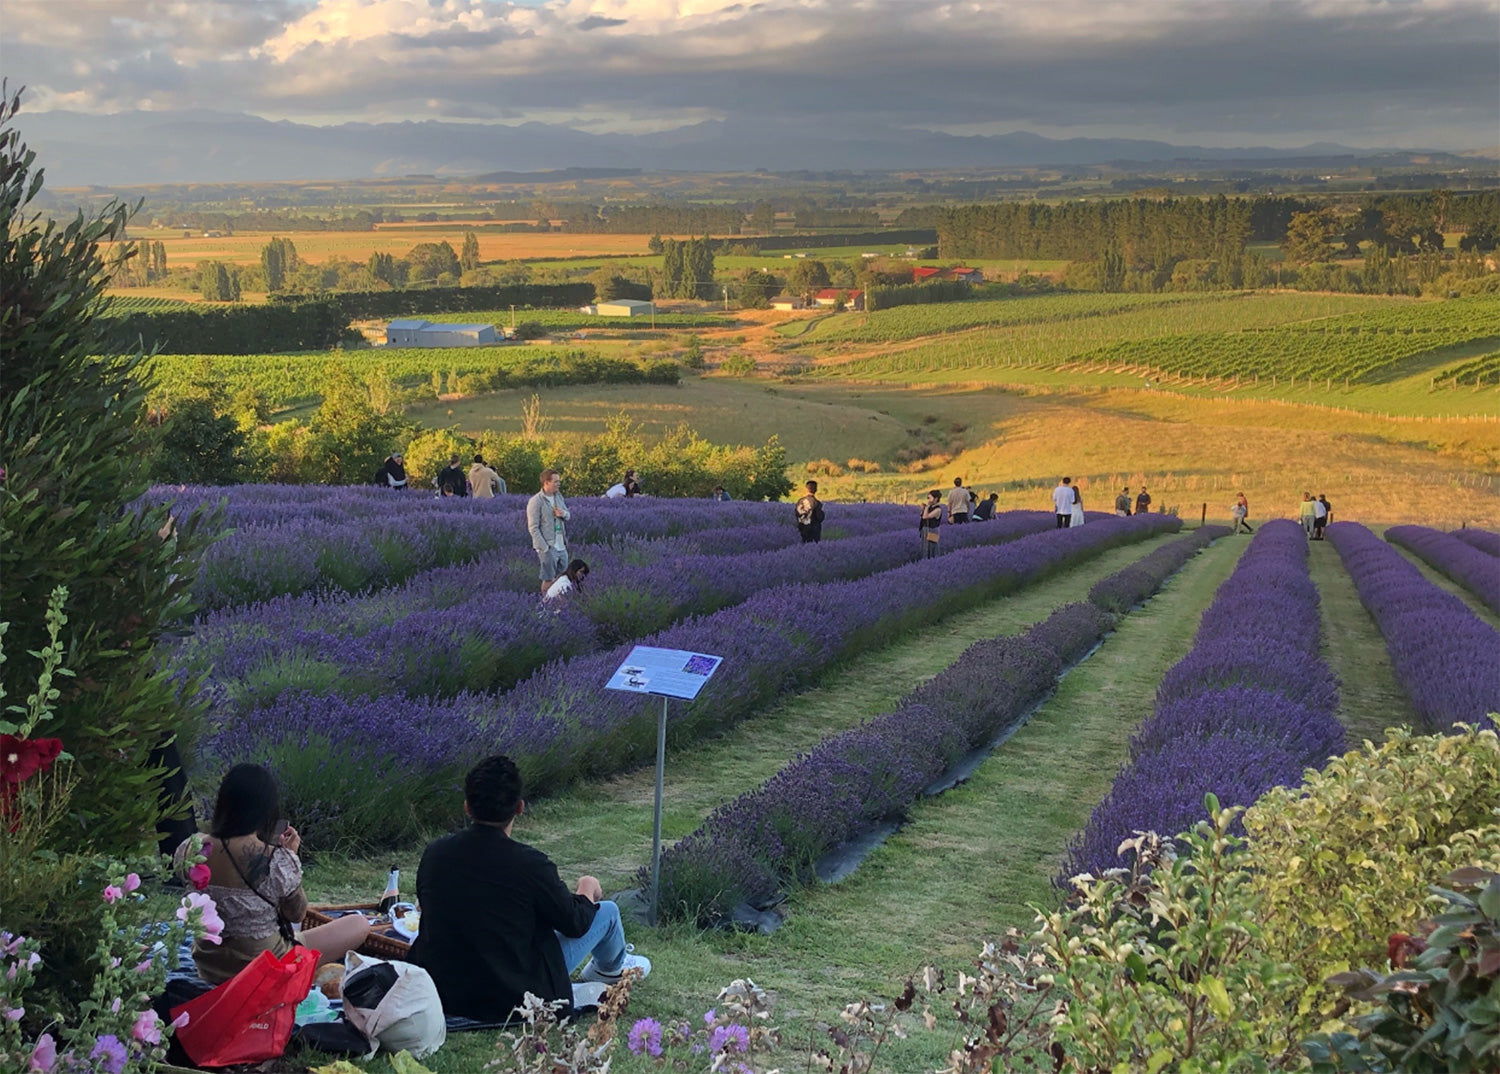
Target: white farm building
623 307
410 332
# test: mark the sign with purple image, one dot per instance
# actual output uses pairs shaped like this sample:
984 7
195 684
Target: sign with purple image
665 672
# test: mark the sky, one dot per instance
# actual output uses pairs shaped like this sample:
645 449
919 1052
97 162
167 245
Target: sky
1365 73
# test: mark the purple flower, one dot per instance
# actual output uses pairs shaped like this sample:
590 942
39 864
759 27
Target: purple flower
645 1037
43 1055
723 1037
110 1053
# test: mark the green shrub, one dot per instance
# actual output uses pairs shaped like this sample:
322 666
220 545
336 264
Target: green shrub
738 365
1438 1011
1347 858
76 458
1166 969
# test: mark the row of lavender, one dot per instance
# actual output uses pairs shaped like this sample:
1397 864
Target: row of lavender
1251 706
1476 571
380 769
1484 540
770 838
1444 656
470 628
356 538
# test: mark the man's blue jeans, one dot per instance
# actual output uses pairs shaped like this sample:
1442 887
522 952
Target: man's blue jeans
605 940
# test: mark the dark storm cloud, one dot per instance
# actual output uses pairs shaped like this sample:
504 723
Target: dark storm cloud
1281 73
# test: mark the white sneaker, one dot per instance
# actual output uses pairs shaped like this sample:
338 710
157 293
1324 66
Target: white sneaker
633 961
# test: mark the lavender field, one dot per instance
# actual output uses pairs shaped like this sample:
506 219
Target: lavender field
354 638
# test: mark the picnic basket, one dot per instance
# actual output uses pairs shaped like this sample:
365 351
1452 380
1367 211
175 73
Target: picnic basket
376 944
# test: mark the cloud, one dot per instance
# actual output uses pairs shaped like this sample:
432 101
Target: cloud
1282 72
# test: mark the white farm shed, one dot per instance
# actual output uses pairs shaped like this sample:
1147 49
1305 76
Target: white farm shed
410 332
624 307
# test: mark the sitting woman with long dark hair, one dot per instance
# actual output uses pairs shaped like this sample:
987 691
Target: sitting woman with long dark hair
256 882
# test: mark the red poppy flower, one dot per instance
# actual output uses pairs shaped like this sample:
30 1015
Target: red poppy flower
21 758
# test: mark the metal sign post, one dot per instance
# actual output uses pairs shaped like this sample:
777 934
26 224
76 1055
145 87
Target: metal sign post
667 673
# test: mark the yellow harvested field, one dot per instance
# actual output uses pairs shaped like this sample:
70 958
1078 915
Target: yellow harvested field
243 247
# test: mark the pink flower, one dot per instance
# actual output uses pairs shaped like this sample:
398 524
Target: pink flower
132 881
44 1055
33 960
210 921
15 1014
199 876
147 1028
111 893
181 1020
142 967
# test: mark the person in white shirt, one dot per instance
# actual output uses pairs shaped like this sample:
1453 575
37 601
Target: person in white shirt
484 482
1062 501
546 518
568 581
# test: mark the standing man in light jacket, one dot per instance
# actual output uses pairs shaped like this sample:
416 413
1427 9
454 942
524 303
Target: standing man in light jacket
546 518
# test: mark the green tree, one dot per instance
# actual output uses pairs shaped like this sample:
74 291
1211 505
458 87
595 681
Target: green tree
278 260
469 258
806 275
217 282
430 260
197 445
1309 237
763 217
76 462
349 437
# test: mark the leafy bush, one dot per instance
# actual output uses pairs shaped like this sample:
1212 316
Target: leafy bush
1347 857
1438 1011
1165 967
75 456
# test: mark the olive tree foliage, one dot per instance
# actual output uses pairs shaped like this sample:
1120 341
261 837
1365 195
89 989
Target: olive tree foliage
75 459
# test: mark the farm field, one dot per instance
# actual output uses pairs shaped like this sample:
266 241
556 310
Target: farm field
243 248
1016 441
952 874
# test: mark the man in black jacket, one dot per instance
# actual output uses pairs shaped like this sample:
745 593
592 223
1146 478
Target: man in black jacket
497 920
452 480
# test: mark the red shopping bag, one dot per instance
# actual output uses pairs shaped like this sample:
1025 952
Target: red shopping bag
250 1016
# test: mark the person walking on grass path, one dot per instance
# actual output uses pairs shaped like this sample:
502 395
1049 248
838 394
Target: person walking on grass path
497 920
958 503
1143 502
1306 514
1122 503
809 514
546 520
1062 501
1320 517
1077 517
1240 512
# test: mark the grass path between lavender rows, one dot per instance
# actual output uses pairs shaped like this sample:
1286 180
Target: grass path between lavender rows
963 869
1370 698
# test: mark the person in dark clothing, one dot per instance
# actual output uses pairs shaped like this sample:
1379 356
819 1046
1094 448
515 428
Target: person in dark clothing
452 480
986 509
929 525
810 515
497 920
392 472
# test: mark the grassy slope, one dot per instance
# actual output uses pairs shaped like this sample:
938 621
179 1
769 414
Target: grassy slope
975 876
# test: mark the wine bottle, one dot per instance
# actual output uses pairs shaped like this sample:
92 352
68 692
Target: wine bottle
392 890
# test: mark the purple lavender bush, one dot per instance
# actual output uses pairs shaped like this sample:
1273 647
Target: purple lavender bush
1445 657
1249 708
1476 571
1484 540
1126 588
561 725
478 627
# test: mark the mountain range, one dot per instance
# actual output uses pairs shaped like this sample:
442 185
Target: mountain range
202 146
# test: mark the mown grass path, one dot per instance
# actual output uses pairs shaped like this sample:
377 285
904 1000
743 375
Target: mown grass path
1370 698
964 868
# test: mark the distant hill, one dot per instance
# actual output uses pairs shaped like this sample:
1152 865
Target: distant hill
130 148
